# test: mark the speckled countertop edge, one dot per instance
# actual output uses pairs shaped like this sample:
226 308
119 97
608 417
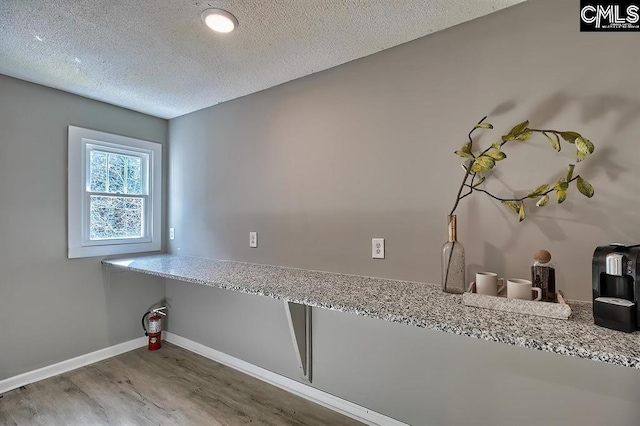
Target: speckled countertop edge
431 309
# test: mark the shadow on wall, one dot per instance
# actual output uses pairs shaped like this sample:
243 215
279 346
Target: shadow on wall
503 108
592 107
128 295
626 112
493 259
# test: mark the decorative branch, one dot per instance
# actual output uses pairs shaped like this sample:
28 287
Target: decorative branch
509 199
466 149
486 160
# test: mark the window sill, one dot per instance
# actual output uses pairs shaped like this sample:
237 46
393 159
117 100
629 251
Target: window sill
94 251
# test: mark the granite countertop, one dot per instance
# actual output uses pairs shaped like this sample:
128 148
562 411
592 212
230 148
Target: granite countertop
411 303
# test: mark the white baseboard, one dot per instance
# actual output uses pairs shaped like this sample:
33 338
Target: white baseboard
310 393
70 364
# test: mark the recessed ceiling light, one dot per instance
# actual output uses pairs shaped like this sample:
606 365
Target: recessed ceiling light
219 20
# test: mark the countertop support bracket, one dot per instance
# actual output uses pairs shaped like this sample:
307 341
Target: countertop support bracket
299 319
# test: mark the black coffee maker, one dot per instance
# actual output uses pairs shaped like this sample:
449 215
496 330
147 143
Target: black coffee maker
616 287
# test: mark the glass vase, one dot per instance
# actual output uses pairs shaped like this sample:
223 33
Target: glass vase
453 267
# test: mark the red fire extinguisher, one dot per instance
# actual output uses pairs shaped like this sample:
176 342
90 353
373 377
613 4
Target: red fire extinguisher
155 327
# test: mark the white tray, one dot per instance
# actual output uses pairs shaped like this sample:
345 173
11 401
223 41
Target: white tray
558 310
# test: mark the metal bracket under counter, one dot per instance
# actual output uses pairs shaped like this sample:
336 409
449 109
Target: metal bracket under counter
299 318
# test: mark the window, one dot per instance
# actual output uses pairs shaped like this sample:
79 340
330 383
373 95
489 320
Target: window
115 187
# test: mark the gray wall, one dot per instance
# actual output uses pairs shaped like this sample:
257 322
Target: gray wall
52 308
320 165
419 376
252 328
425 377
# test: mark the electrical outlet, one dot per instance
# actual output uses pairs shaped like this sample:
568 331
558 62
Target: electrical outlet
172 233
377 248
253 239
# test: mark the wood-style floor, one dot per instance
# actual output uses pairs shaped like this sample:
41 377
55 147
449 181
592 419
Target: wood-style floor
171 386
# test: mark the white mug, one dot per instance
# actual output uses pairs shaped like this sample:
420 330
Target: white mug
521 289
487 283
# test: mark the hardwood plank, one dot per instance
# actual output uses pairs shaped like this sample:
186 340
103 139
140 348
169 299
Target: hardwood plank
171 386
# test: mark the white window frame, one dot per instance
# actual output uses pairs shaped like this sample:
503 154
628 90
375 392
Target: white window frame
81 143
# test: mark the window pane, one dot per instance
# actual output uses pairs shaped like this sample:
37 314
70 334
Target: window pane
115 217
125 174
134 175
116 174
98 171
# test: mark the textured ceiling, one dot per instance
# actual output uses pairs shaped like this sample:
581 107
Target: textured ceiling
158 58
